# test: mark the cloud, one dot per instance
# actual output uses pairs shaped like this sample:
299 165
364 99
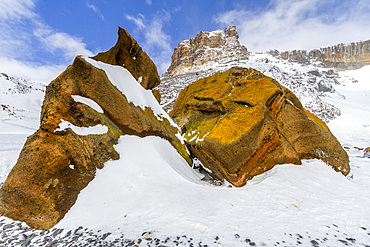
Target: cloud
155 41
95 9
26 42
30 71
149 2
10 9
68 45
300 24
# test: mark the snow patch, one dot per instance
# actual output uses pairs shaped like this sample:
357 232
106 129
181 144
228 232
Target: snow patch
89 102
82 131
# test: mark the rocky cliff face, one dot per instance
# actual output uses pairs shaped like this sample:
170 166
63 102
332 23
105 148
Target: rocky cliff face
341 56
207 48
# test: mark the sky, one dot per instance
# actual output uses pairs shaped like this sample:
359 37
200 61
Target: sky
40 38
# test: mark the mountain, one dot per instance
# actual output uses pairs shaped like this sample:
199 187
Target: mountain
217 47
342 56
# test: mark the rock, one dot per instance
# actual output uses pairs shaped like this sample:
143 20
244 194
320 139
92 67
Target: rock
367 152
129 54
219 46
341 56
55 164
241 123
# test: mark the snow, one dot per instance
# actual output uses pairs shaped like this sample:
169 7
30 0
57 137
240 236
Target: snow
89 102
20 105
152 189
310 199
122 79
83 131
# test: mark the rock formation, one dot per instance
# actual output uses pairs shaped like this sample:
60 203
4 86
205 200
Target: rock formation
207 48
128 53
58 161
240 123
341 56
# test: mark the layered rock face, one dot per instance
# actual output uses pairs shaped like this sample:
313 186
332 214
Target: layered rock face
240 123
84 113
206 48
341 56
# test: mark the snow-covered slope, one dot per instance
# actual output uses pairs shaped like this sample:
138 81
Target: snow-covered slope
18 102
144 198
20 106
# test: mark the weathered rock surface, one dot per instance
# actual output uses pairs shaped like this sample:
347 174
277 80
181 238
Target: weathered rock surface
207 47
56 164
129 54
341 56
240 123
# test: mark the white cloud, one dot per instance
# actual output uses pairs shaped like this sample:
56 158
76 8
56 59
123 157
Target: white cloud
300 24
10 9
149 2
30 71
56 41
25 38
95 9
156 41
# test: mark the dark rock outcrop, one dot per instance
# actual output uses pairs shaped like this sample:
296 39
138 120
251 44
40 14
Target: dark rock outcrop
207 48
55 164
341 56
240 123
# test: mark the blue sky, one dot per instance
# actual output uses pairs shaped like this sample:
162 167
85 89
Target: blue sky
39 38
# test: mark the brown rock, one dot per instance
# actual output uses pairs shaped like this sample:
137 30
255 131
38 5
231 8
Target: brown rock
367 152
157 95
240 123
128 53
55 165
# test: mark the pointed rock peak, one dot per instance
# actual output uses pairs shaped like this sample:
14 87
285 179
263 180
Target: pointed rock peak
127 53
230 31
206 50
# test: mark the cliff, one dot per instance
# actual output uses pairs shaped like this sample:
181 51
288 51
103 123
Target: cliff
207 48
341 56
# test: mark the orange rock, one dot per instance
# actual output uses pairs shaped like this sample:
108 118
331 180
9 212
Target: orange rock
241 123
129 54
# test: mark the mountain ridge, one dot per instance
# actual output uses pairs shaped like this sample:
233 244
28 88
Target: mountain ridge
340 56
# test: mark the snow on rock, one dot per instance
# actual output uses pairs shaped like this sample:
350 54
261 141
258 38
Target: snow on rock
123 80
88 102
83 131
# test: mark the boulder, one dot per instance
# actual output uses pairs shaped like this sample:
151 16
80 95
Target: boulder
241 123
83 115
